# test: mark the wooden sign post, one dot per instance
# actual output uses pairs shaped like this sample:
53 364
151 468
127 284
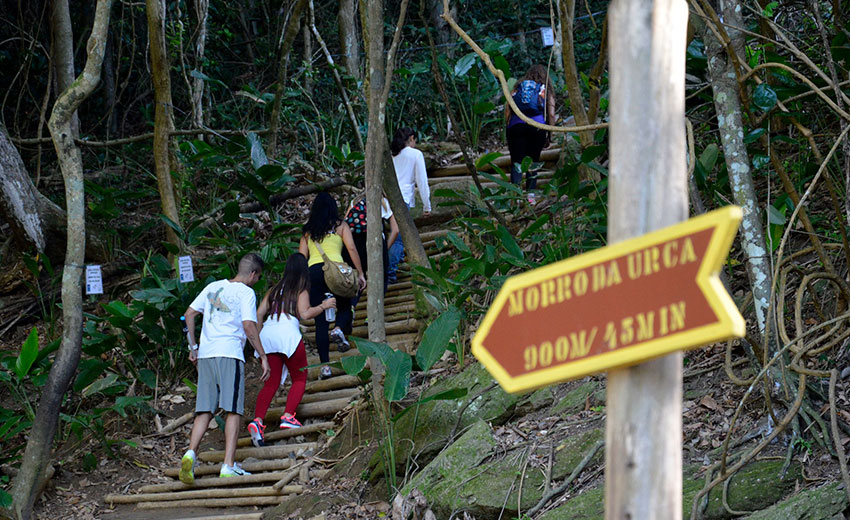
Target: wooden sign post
647 191
616 306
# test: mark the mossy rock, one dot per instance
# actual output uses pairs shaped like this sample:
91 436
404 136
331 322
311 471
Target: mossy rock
424 433
757 486
534 401
573 401
589 505
828 502
485 483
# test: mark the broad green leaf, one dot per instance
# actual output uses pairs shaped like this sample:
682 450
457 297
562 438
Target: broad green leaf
448 395
397 378
200 75
90 369
776 216
123 402
101 384
231 212
258 154
483 107
381 351
457 242
353 365
464 64
764 97
29 351
437 337
148 377
504 184
270 172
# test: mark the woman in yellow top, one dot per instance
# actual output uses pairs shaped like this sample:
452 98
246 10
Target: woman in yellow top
325 226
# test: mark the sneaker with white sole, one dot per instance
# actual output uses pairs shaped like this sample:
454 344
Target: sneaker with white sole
342 344
232 471
289 421
257 430
187 468
325 372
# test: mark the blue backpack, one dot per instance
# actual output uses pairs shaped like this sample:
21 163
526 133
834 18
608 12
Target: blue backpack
527 98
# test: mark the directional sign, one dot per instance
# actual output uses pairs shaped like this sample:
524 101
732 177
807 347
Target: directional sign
612 307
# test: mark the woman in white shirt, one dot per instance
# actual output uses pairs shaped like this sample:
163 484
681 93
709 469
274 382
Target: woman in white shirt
409 164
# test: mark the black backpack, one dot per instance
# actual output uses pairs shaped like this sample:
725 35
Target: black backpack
527 98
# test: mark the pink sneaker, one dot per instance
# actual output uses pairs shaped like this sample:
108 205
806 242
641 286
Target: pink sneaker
257 430
289 421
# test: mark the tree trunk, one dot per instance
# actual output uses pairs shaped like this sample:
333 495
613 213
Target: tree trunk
38 449
566 11
443 34
308 58
348 37
163 118
647 191
293 24
727 104
34 219
63 53
109 85
27 211
202 8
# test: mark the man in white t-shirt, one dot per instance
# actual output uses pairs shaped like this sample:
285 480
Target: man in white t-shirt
229 309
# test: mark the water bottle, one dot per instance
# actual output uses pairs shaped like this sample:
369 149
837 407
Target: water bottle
186 333
330 312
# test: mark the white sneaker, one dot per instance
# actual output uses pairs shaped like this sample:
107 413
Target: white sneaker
187 468
232 471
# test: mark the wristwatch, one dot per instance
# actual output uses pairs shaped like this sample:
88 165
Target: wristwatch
194 347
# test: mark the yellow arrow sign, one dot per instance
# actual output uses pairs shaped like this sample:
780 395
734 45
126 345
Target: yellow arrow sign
615 306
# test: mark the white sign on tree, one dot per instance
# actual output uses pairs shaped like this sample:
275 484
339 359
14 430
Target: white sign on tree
184 266
94 280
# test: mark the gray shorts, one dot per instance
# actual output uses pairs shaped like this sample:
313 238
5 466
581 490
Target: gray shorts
221 384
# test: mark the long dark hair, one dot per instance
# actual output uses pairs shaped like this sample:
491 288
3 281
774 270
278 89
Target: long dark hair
323 219
400 139
283 297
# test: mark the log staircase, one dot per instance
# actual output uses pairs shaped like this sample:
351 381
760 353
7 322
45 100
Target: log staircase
291 458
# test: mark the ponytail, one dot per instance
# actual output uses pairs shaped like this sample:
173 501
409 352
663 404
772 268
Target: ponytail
400 139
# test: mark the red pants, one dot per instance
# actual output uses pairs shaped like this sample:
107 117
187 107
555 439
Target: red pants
294 364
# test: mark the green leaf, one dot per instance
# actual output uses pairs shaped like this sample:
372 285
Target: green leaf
457 242
231 212
29 351
270 172
776 216
90 369
192 386
381 351
537 224
483 107
486 159
708 157
764 97
437 337
200 75
89 462
754 135
174 225
448 395
397 378
124 402
258 154
509 242
464 64
148 377
353 365
101 384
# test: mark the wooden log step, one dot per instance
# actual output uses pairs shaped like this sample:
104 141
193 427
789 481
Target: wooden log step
306 410
264 453
392 300
397 313
214 482
195 493
547 156
343 393
221 502
231 516
252 467
431 235
334 383
395 327
275 434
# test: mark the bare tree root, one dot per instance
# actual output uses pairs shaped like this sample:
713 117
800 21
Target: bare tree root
833 420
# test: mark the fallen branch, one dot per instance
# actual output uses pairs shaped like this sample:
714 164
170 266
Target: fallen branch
140 137
217 502
291 474
176 423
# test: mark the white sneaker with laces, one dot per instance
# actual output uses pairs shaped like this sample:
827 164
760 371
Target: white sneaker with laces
232 471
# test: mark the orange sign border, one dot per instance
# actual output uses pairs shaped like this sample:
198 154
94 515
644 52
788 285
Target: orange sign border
730 323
